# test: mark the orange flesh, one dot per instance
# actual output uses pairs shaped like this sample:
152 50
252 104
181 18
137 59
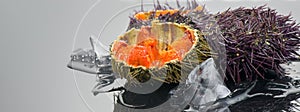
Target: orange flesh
183 45
146 15
146 51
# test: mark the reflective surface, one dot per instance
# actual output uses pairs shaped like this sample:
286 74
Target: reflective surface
204 90
235 101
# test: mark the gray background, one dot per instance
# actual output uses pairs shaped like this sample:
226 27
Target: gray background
37 37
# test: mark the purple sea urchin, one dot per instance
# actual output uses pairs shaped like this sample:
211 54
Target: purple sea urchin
257 40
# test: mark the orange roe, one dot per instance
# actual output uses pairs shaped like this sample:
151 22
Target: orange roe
146 15
139 57
146 52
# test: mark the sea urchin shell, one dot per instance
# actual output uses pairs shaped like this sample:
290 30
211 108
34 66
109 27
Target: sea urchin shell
257 40
165 51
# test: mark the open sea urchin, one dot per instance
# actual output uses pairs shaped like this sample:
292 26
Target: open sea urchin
257 40
162 50
165 43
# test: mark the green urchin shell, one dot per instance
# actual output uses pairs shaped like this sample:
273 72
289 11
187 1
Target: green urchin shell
171 72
